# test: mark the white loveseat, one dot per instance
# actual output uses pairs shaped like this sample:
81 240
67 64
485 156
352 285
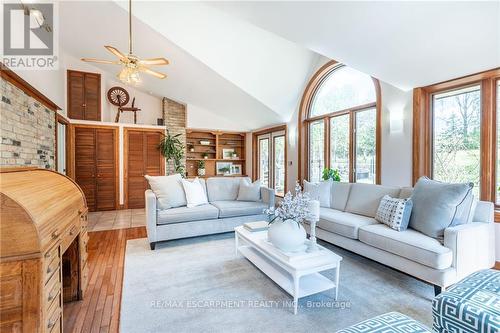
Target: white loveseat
222 214
349 223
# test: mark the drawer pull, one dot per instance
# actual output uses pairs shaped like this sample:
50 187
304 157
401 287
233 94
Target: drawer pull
55 234
52 296
47 255
49 270
52 323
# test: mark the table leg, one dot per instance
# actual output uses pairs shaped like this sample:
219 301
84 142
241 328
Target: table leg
337 279
236 243
295 293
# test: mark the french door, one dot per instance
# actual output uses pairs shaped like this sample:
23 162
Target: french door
272 160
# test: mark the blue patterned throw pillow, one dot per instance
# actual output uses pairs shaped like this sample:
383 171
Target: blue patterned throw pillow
394 212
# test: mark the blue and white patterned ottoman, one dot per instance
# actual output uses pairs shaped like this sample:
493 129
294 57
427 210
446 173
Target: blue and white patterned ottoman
392 322
472 305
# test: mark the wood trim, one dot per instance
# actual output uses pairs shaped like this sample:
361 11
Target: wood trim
422 127
305 120
125 158
10 76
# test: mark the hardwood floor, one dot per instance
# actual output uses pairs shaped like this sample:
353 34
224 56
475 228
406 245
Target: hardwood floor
100 309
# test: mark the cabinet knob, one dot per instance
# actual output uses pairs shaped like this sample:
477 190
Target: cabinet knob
52 323
84 105
55 234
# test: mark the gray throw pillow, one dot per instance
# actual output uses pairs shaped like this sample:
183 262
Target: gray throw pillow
249 191
394 212
168 190
437 206
320 191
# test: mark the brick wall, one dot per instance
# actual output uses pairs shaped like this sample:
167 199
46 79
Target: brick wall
174 115
27 130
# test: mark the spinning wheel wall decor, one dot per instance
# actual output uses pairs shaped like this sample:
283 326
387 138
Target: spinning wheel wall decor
118 96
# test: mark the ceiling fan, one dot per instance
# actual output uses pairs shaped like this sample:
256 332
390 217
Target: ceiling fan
131 64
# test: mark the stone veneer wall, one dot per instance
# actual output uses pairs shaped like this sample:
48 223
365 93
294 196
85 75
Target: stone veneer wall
174 116
27 130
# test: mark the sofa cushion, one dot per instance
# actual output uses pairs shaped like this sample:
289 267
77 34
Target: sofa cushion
405 192
223 188
342 223
437 206
185 214
168 190
409 244
249 191
339 195
365 198
239 208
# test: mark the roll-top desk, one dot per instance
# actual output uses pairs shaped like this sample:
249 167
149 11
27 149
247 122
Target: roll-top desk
43 248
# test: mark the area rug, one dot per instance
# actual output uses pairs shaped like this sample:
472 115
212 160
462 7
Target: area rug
201 285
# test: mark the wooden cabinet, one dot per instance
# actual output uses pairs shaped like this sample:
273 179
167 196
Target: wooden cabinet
42 215
84 95
96 165
142 157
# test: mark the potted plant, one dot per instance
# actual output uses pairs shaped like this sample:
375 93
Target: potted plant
333 174
285 227
201 168
204 155
173 149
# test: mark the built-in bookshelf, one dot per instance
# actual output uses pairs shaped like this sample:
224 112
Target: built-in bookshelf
222 152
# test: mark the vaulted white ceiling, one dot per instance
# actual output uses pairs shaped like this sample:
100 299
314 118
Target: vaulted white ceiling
248 62
407 44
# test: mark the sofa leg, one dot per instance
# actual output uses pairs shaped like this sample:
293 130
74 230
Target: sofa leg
437 290
152 245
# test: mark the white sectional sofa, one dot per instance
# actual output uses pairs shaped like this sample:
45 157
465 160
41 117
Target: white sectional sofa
222 214
349 223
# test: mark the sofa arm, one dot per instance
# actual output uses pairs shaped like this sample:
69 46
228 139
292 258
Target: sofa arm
473 247
150 215
267 195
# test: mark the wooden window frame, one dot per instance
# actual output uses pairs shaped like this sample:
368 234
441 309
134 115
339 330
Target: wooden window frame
423 132
255 152
304 122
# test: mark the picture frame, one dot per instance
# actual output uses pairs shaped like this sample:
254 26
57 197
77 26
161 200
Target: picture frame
227 153
236 169
223 168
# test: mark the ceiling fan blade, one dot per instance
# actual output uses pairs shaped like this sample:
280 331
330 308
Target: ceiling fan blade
101 61
154 62
152 72
115 51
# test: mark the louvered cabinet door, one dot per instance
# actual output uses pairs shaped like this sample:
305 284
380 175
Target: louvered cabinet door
92 96
76 95
136 184
143 158
85 167
106 160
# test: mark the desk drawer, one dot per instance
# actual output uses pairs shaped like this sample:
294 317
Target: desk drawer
53 314
50 255
68 236
52 289
51 268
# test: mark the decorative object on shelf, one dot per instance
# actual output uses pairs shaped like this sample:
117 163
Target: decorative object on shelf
204 143
234 156
131 64
313 218
223 168
204 155
286 231
191 148
201 168
160 122
333 174
118 96
236 169
227 153
173 150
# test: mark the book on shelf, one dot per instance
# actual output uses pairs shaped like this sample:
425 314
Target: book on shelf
256 226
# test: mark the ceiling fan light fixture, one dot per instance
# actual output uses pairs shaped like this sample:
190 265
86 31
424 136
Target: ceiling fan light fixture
129 75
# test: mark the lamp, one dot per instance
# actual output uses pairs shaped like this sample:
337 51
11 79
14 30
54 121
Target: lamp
129 75
313 207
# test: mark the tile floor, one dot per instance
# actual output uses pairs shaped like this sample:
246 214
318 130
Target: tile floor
116 219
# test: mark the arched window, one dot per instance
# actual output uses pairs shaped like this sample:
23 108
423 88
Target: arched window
340 125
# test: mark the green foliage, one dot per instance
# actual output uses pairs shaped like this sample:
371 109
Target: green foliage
173 150
201 164
332 174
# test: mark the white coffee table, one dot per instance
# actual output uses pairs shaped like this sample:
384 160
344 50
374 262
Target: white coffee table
299 278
